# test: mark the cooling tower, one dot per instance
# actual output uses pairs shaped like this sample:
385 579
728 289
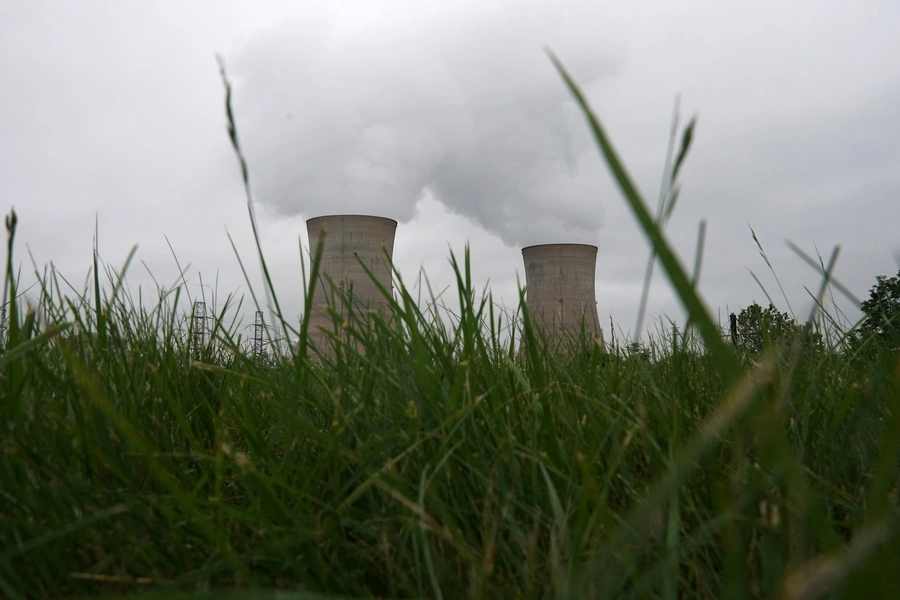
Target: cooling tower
559 281
349 239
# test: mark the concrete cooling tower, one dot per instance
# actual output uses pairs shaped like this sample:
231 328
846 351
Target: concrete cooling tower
349 239
559 281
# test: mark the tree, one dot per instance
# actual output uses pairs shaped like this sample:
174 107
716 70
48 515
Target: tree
881 322
756 328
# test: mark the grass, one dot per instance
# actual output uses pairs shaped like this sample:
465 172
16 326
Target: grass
427 458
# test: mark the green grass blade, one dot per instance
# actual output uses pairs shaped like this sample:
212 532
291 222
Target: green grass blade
676 273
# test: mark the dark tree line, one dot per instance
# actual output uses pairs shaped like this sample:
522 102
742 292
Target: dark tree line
756 328
881 324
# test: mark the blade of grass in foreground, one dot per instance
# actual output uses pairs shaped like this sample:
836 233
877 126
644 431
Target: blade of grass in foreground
665 193
697 312
269 287
820 270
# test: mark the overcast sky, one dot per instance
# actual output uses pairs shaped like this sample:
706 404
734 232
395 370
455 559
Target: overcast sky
448 116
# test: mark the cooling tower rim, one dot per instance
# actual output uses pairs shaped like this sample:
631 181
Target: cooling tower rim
338 216
559 245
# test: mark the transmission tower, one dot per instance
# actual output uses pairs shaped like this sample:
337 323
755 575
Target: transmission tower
199 325
258 327
3 327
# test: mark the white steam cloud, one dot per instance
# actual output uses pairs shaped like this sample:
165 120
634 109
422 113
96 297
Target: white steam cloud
335 119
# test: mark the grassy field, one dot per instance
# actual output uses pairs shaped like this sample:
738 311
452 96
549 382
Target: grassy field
431 459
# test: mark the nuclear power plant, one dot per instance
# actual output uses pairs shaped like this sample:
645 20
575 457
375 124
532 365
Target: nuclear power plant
348 240
559 296
559 278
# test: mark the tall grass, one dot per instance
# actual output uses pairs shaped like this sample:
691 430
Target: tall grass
418 457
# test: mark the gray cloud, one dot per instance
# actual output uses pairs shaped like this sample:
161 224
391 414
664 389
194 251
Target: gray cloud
116 108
